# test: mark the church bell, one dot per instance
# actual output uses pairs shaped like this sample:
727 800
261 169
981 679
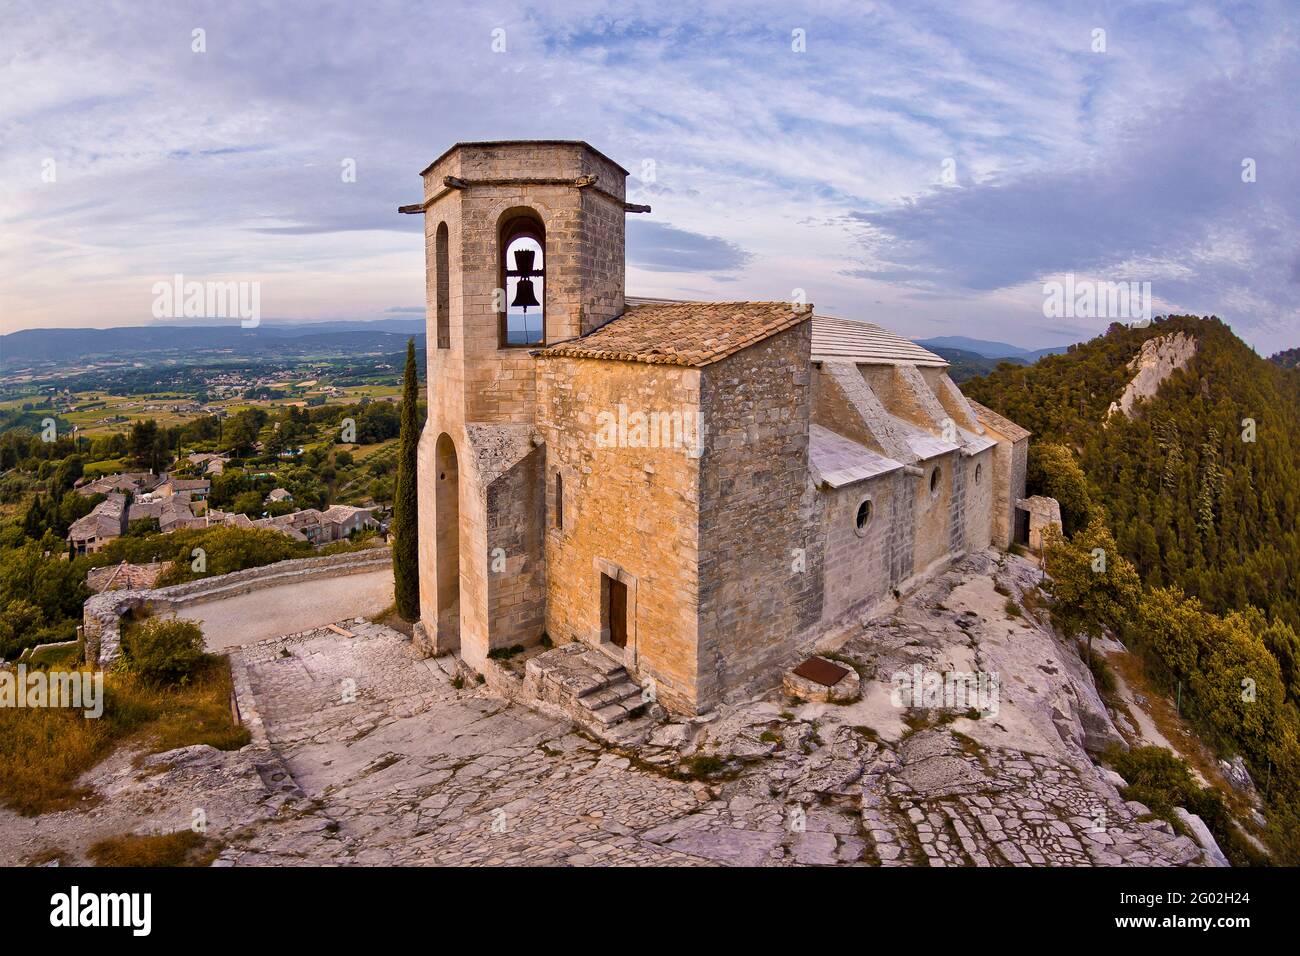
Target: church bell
524 295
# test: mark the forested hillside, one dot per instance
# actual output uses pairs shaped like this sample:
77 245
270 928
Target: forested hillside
1201 490
1196 495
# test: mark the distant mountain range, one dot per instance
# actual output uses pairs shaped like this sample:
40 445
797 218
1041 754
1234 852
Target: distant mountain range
42 348
990 350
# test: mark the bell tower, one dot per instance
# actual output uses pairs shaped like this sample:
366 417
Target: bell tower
523 249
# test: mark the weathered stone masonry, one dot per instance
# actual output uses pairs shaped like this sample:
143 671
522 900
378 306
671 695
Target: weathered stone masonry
807 495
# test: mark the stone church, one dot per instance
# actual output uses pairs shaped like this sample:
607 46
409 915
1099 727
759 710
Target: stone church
699 489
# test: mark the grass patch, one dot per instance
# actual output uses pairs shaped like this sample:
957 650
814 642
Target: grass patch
1013 609
57 658
505 653
702 767
182 848
44 750
1101 674
389 617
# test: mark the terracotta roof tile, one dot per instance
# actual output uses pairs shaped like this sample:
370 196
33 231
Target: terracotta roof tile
683 333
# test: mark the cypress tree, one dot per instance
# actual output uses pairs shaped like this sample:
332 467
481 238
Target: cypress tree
406 550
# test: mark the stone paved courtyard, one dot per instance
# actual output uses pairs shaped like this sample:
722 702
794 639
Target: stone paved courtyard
414 770
418 772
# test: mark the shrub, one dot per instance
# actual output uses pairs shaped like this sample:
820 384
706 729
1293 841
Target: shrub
164 652
702 766
1156 777
1101 674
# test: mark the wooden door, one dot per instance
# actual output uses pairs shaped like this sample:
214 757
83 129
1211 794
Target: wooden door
617 613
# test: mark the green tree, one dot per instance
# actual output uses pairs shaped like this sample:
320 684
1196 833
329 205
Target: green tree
1054 472
406 553
1093 587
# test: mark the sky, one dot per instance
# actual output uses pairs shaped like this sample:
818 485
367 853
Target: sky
928 167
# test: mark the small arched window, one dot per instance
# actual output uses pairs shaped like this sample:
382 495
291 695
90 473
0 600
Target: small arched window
523 273
934 482
979 472
442 292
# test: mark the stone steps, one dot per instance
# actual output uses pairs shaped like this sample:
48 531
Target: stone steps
588 685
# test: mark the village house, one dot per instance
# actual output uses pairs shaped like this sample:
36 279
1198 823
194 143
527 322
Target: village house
105 522
136 482
178 503
208 462
336 523
696 489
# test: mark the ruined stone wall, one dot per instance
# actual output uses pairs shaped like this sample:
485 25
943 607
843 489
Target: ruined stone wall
858 562
757 505
626 509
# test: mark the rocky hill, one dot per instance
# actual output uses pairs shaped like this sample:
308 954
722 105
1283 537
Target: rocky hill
1199 481
1287 358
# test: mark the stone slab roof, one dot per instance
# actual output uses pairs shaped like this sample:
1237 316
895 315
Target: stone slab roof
923 444
840 461
692 334
1003 426
846 340
973 444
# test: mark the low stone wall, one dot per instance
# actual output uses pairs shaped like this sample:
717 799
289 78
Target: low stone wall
102 614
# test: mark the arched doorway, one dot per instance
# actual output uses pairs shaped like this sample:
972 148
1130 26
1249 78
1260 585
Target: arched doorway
446 506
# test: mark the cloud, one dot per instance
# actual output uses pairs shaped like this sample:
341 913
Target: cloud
768 169
661 247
